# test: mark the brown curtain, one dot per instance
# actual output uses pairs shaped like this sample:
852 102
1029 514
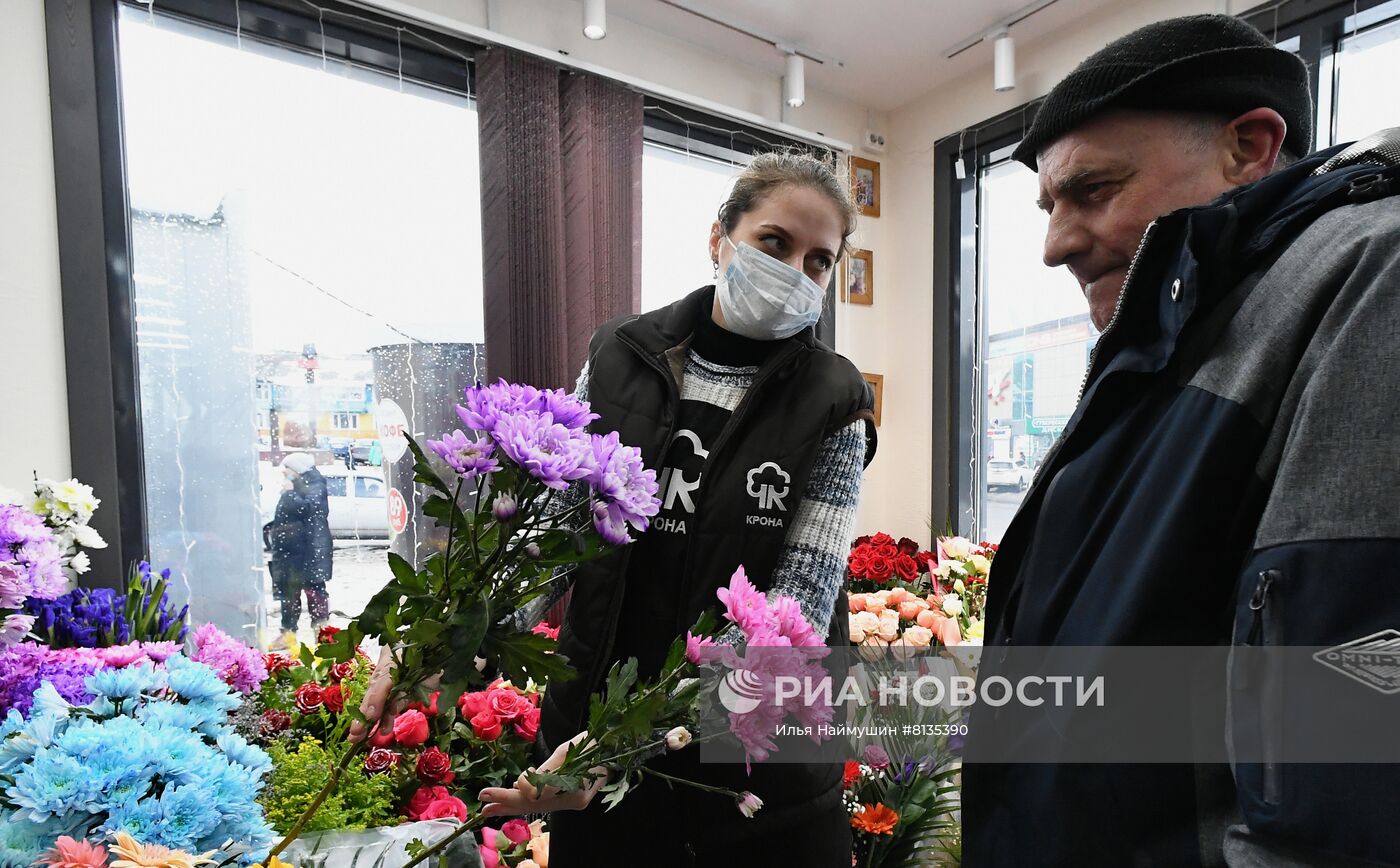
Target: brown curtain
561 209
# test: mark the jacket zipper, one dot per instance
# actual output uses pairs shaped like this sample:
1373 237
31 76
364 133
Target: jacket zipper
775 365
1117 308
1262 628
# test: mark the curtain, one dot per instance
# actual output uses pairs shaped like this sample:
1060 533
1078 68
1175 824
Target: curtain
561 168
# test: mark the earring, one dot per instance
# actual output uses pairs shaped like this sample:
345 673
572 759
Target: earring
716 265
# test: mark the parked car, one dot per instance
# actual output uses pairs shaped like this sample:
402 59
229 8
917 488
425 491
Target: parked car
358 500
340 448
359 450
1005 473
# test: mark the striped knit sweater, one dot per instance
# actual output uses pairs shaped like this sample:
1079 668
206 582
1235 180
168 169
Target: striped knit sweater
812 567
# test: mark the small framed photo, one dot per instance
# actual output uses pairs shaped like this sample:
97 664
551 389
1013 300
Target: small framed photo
858 278
876 382
865 186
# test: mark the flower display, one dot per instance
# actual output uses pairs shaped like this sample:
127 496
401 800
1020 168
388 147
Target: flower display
239 665
879 561
151 756
26 666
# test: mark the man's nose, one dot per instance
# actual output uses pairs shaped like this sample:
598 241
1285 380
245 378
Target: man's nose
1065 238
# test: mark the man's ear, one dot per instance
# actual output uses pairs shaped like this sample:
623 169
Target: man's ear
1253 141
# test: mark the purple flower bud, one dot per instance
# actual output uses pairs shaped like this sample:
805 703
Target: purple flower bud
504 507
532 552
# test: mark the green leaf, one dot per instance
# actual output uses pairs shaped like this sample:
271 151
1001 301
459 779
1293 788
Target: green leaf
371 619
411 581
520 655
342 647
423 470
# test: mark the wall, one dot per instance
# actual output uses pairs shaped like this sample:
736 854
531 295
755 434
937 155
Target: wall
33 394
892 336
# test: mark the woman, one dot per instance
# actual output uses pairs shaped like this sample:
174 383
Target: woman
759 434
299 537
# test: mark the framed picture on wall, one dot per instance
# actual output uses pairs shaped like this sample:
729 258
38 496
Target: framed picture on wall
858 278
865 185
876 382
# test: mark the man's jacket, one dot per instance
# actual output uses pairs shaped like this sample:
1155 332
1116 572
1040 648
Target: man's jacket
1232 461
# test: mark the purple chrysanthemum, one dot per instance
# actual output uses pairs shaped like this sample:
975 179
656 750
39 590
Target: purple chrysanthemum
14 586
469 457
487 405
26 666
552 453
624 489
27 543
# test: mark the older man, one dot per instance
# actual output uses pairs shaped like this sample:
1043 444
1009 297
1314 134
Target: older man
1232 461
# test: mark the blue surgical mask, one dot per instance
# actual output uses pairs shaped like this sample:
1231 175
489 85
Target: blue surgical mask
765 299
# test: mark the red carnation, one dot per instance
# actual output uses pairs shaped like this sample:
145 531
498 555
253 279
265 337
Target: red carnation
334 699
274 722
486 725
434 766
422 799
380 760
309 697
906 567
411 728
880 568
326 634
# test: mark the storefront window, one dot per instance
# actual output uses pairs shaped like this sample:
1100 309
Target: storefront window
681 194
293 219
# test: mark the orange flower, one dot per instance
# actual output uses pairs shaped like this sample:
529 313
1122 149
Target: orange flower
876 819
136 855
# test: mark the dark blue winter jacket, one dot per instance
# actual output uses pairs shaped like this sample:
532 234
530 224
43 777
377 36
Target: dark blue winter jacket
1238 421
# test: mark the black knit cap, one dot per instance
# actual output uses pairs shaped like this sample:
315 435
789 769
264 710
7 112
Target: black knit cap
1203 63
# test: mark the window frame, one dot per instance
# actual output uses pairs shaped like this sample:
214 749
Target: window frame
957 324
94 219
94 214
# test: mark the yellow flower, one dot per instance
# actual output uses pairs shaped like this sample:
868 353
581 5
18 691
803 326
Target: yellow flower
980 564
975 627
274 862
136 855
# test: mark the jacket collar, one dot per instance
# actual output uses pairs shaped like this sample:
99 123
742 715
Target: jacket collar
671 327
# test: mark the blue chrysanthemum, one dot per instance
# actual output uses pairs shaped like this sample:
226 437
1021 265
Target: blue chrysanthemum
56 784
238 750
125 683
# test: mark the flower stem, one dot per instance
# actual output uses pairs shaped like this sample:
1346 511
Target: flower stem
475 823
704 787
331 784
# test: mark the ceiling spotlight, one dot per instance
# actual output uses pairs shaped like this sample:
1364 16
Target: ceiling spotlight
1004 52
595 19
794 81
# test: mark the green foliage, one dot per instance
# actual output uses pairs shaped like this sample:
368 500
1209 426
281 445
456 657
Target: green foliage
360 801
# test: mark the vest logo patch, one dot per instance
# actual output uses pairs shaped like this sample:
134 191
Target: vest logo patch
1373 660
769 484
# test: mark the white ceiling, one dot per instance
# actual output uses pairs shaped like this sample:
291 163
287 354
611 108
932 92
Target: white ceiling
892 50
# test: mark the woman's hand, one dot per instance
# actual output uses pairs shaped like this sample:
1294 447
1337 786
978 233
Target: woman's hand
376 697
524 798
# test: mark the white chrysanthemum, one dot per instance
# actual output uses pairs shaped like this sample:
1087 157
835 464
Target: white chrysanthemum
88 537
